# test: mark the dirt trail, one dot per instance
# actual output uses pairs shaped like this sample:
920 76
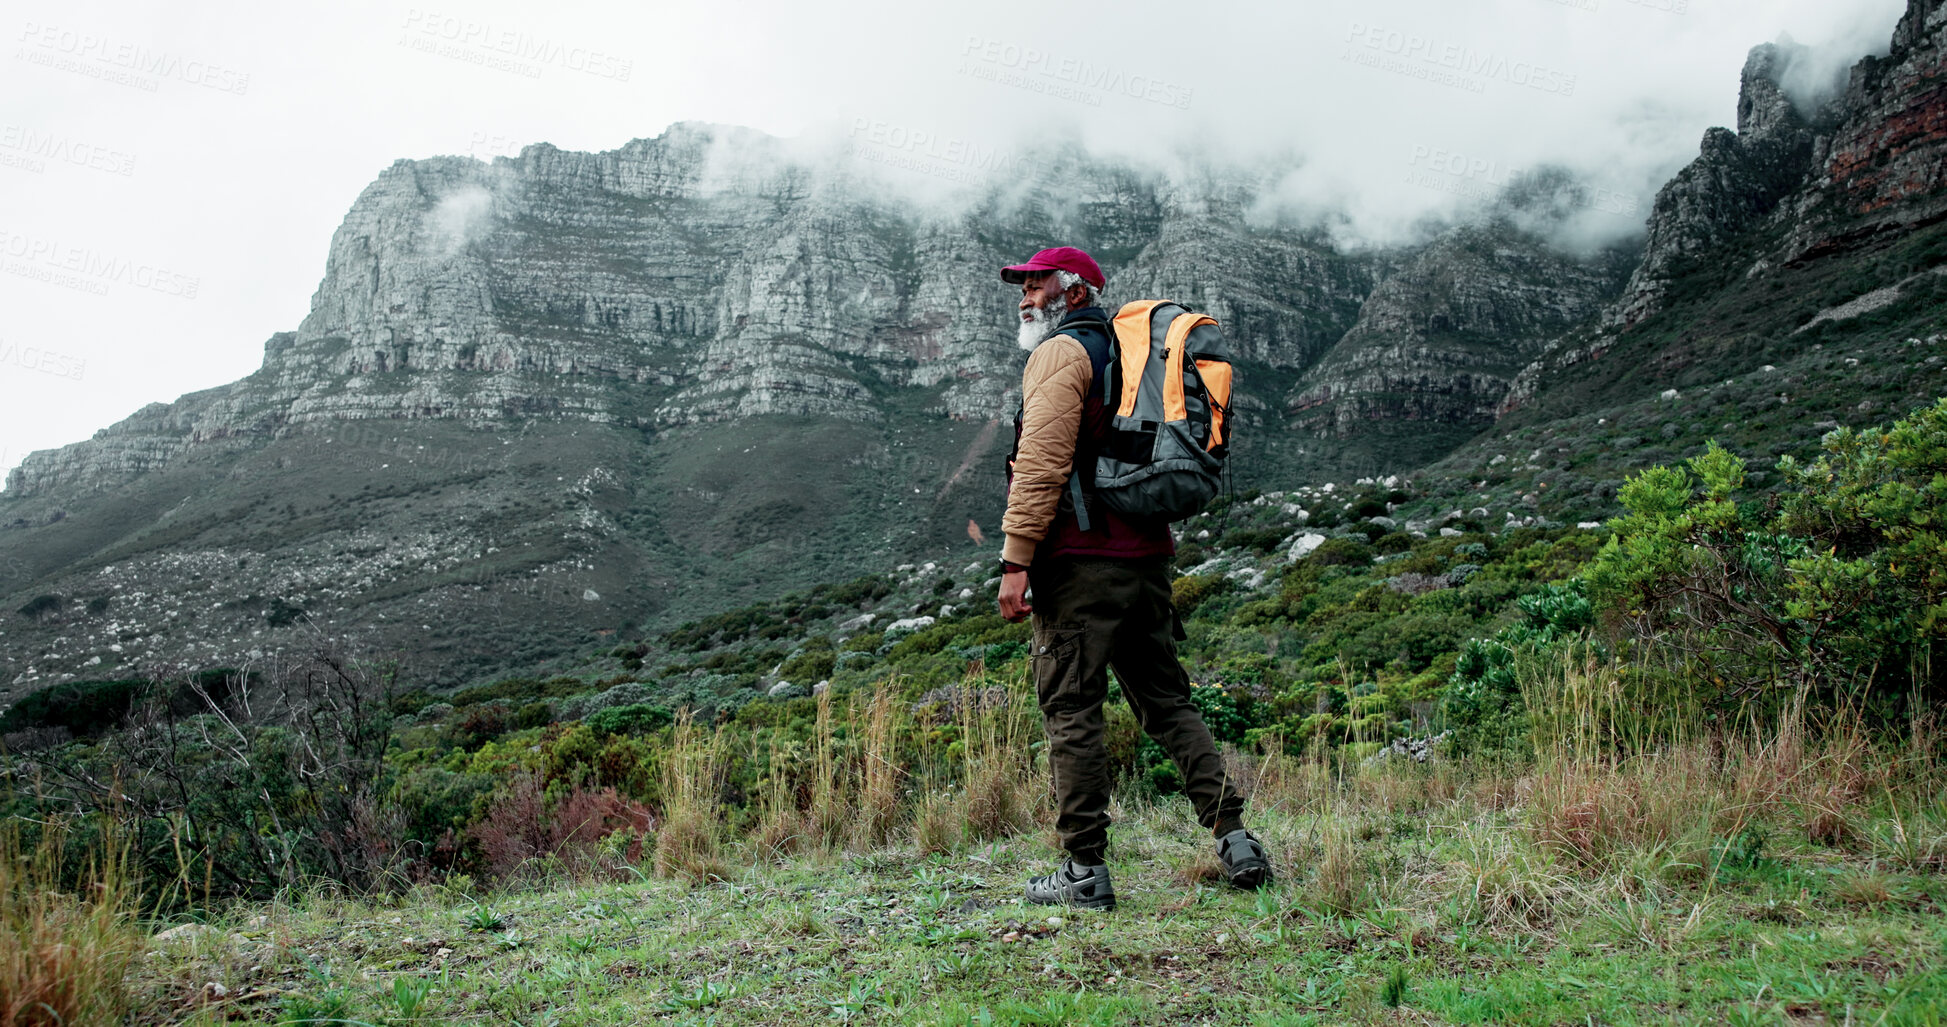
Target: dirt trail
974 452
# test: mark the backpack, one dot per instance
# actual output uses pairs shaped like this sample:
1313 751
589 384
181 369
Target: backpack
1169 384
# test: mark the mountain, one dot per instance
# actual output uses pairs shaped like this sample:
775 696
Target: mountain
550 398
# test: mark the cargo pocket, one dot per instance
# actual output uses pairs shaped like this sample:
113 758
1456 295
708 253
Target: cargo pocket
1058 668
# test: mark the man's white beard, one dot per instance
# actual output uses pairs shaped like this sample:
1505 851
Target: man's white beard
1040 323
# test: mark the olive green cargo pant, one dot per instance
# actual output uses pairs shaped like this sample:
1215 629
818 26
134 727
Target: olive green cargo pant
1091 614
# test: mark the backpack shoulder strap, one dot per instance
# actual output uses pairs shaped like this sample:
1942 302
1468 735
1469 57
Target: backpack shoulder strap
1098 339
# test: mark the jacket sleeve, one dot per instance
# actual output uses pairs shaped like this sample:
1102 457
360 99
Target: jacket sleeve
1053 389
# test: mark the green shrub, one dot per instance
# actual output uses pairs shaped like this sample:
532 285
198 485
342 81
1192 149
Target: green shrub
1483 703
1188 593
1343 551
634 719
812 663
1258 540
83 707
435 800
42 607
856 592
1841 596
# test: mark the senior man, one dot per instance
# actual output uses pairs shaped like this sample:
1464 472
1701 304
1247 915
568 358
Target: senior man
1101 591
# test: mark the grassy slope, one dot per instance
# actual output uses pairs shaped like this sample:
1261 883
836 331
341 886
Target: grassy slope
1595 421
1433 873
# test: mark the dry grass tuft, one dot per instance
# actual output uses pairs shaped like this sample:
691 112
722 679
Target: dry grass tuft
1863 888
939 824
1202 868
880 775
64 957
1002 794
688 845
782 832
1500 883
1289 785
1596 810
1343 882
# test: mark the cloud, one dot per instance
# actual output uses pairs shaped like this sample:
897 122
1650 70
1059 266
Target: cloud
1812 75
459 218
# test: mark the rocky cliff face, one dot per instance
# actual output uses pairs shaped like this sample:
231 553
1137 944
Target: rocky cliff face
1438 342
711 274
1882 167
1800 179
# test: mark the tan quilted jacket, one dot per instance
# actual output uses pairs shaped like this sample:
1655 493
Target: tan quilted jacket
1053 389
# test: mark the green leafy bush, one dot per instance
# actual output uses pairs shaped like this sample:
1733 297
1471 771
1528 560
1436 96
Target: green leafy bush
1483 703
83 707
1343 551
1837 599
633 719
1188 593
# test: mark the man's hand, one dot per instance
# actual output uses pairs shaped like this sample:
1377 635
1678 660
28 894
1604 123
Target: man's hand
1014 596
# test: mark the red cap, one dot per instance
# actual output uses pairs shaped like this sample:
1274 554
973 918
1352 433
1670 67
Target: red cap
1061 258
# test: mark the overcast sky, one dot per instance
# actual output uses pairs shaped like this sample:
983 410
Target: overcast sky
204 152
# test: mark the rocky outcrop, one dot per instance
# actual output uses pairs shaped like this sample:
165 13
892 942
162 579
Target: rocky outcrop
1441 339
1807 177
1883 165
1734 184
715 273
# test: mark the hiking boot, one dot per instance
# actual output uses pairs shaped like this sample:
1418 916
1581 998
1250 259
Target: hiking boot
1071 884
1244 859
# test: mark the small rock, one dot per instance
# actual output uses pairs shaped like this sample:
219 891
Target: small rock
216 991
1011 937
1054 923
184 933
590 595
1305 544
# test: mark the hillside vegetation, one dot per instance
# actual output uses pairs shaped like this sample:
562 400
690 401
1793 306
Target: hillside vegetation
1681 766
